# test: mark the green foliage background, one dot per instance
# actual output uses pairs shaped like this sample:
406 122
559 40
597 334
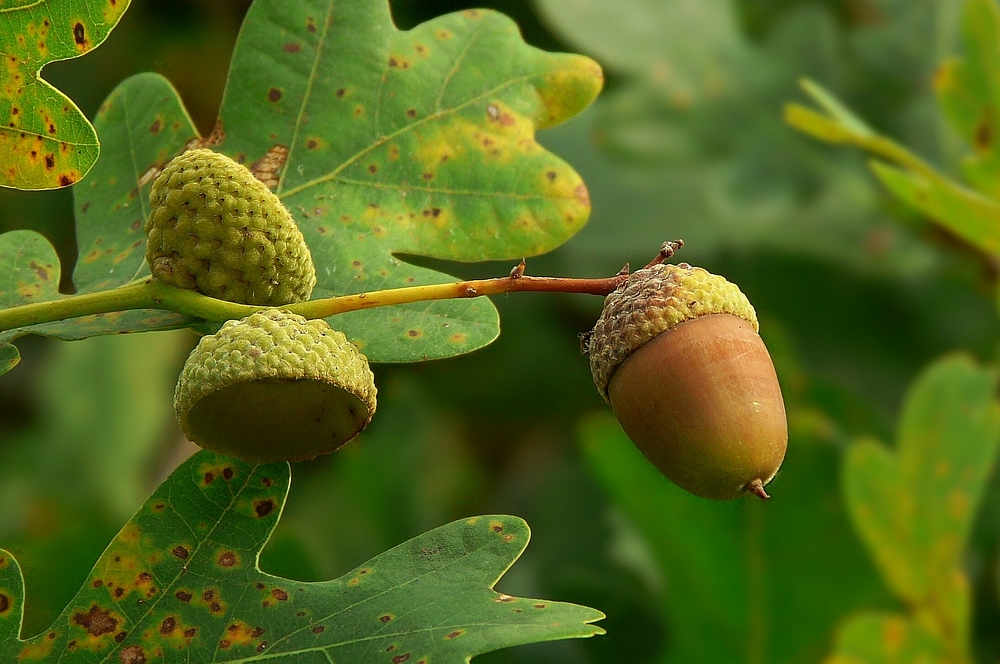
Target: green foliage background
857 295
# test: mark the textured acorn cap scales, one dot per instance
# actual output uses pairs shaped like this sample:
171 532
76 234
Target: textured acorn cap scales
653 300
274 386
217 229
676 353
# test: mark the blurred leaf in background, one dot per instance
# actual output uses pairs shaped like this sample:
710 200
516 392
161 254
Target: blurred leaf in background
743 580
692 124
915 507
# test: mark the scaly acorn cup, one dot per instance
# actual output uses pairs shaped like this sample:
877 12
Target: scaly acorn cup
217 229
274 387
676 353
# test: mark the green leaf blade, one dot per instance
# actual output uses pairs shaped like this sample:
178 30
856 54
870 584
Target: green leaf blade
142 124
180 582
11 598
29 269
48 142
9 358
382 142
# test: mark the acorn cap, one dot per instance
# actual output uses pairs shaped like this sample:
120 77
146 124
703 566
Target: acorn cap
217 229
274 386
654 300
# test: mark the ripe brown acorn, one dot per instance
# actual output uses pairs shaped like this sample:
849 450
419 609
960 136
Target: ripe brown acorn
676 353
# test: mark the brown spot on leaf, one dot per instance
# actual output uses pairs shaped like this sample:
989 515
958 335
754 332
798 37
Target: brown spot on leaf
263 507
399 659
454 635
50 161
209 478
311 24
227 559
227 473
168 625
120 636
372 168
132 655
312 144
411 112
156 126
291 47
5 604
190 633
79 34
279 594
266 169
97 621
274 94
40 271
983 135
386 618
183 595
318 629
66 179
341 92
180 552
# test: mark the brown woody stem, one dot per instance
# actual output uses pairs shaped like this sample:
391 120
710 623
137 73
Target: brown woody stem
153 294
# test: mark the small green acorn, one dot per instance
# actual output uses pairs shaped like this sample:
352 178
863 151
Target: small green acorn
677 354
217 229
274 387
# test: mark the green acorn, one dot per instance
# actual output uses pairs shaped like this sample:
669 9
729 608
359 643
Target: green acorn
274 386
676 353
217 229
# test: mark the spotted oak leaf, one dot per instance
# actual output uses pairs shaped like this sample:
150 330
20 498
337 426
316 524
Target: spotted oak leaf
180 583
45 140
381 143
